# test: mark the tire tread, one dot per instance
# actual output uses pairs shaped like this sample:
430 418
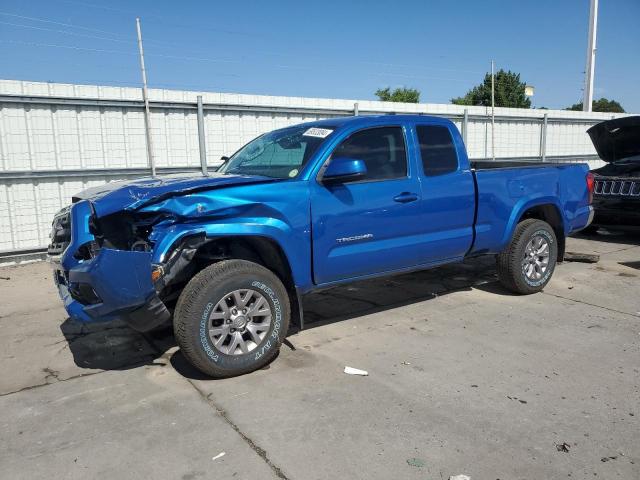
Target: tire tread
508 262
187 303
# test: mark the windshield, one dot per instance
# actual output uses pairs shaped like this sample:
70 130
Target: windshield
278 154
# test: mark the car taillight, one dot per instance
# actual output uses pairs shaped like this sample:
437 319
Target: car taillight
590 184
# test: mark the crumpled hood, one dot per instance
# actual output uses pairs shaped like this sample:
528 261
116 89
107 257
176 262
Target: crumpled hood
616 139
134 194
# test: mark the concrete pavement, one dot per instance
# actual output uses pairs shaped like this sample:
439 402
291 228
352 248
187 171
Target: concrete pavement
463 378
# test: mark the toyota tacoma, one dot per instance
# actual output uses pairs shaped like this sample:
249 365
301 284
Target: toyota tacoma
228 256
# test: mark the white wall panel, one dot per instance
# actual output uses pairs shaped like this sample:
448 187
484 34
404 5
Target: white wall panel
15 138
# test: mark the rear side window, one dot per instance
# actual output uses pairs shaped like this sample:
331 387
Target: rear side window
381 149
437 150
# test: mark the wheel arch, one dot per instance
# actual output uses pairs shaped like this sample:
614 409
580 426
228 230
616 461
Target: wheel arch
259 249
254 248
549 213
545 209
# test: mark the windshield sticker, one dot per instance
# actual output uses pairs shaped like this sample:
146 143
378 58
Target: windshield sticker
293 173
317 132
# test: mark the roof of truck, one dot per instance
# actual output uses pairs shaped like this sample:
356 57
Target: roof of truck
376 119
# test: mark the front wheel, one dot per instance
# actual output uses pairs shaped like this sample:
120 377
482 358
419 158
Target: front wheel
231 318
527 264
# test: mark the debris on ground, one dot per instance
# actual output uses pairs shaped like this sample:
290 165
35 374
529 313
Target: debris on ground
416 462
606 459
563 447
220 455
515 398
581 257
355 371
459 477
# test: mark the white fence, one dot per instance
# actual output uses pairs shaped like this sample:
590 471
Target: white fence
57 139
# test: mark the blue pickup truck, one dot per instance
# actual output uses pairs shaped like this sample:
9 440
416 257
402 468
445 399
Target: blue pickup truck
228 256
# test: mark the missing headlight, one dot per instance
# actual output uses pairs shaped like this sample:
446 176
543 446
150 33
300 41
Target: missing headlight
87 251
126 231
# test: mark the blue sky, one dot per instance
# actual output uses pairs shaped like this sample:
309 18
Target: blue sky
344 49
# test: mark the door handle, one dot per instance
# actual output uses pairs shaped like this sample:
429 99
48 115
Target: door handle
405 197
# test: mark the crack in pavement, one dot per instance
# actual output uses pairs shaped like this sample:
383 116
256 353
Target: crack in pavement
50 374
56 375
261 452
591 304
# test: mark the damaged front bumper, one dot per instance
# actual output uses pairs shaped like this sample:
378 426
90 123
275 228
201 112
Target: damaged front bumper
114 284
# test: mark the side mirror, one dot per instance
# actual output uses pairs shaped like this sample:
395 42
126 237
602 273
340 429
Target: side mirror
343 170
224 159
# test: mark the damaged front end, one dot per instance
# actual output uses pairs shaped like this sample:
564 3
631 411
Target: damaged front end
104 267
125 250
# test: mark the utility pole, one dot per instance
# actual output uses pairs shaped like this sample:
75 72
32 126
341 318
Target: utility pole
145 98
587 100
493 105
201 139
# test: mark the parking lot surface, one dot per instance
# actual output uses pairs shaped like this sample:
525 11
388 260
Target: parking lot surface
464 378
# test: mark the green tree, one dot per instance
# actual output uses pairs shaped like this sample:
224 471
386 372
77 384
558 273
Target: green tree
509 92
406 95
600 105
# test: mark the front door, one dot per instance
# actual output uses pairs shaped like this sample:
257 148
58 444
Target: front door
372 225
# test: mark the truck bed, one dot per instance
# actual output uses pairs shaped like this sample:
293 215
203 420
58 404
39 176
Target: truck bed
507 188
494 164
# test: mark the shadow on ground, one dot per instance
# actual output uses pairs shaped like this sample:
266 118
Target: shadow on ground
108 346
611 236
115 346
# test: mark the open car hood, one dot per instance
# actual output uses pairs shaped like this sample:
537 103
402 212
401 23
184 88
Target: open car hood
134 194
616 139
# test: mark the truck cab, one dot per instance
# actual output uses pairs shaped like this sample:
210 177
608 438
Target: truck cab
398 211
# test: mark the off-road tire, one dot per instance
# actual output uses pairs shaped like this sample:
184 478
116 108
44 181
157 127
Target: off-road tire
509 263
209 286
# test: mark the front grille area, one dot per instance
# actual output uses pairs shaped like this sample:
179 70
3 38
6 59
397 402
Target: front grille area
620 187
60 232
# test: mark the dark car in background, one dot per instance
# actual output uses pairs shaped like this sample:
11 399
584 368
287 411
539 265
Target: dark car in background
617 185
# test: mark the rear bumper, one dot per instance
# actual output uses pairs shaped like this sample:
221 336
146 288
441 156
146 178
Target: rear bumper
617 212
584 218
115 284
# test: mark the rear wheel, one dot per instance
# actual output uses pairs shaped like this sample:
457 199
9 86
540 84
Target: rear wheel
527 264
231 318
